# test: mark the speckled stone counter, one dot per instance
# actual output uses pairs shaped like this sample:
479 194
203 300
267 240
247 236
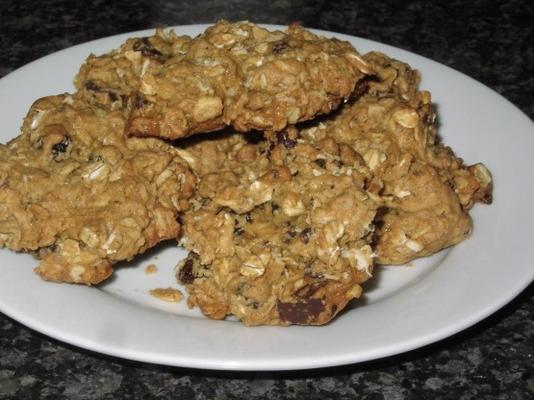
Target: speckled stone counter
491 41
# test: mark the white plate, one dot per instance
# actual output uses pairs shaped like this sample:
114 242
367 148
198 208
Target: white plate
403 307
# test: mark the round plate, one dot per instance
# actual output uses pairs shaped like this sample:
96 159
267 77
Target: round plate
403 307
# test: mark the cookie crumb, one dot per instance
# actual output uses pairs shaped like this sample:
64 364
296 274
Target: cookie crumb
168 294
151 269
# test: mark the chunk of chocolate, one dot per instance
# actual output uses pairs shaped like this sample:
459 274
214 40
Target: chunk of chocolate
302 312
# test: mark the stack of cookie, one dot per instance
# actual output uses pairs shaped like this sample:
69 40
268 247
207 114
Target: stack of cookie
322 162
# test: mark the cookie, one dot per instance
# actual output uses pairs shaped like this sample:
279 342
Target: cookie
423 190
279 232
81 196
236 74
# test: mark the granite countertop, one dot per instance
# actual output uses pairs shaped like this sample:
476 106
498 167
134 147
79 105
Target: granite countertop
492 42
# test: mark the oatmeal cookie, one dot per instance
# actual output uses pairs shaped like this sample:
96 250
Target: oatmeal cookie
236 74
422 188
81 196
280 230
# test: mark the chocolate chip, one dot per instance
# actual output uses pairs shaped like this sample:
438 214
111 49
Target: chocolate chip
279 47
305 235
145 47
61 147
302 312
185 275
285 140
321 162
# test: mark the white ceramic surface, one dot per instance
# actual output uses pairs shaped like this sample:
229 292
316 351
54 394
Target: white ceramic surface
403 307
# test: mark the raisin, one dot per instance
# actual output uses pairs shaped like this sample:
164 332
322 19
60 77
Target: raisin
292 233
61 147
140 102
185 275
90 85
305 235
321 162
361 88
145 47
280 47
112 96
285 140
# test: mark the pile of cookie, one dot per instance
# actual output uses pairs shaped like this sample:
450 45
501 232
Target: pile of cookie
286 163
